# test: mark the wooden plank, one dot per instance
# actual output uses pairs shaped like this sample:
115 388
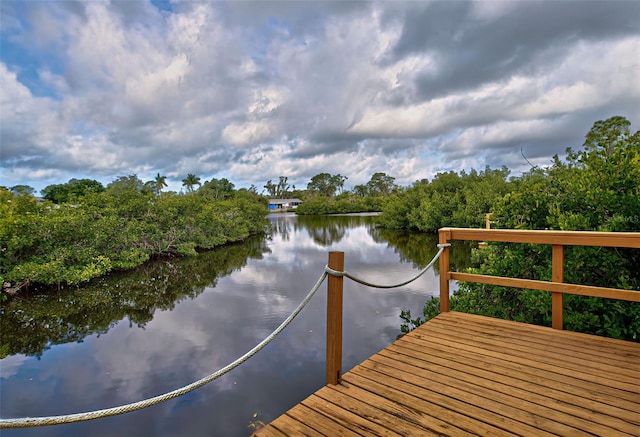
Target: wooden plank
507 387
596 372
613 396
566 238
596 384
548 353
287 425
479 409
487 368
461 374
270 430
537 344
346 418
455 413
536 416
527 329
531 284
319 422
405 415
598 351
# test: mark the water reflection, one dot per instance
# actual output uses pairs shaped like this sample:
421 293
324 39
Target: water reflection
420 248
32 324
187 318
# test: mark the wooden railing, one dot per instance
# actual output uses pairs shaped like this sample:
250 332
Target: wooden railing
558 240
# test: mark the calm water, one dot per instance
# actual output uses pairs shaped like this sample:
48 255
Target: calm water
136 335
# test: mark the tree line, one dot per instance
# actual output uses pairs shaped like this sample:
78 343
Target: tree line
83 230
596 188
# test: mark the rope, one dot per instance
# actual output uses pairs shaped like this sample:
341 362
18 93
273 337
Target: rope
80 417
332 272
27 422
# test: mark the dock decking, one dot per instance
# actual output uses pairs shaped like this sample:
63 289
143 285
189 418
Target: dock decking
462 374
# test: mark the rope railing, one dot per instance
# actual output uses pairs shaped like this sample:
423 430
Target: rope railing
28 422
332 272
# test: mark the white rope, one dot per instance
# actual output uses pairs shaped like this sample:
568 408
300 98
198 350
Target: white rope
98 414
369 284
80 417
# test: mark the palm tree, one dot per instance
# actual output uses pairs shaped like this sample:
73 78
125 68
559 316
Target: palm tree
190 181
160 182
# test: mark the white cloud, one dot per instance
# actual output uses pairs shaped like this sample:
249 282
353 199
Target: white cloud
256 92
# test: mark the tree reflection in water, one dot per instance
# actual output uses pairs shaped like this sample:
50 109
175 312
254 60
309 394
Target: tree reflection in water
31 324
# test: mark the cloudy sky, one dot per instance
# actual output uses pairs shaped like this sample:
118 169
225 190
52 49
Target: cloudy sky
254 90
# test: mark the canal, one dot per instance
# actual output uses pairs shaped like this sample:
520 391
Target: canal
127 337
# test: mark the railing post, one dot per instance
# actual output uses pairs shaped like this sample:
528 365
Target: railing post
444 238
557 275
334 319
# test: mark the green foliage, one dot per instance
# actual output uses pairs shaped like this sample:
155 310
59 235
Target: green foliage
450 199
72 191
380 184
343 204
598 189
22 190
159 183
279 190
190 181
32 324
217 189
327 185
429 311
119 228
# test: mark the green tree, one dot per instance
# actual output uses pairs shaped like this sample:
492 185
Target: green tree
279 190
361 190
327 185
381 184
450 199
160 183
22 190
190 181
597 188
217 189
73 190
125 183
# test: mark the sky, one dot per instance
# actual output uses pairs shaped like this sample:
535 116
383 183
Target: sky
254 90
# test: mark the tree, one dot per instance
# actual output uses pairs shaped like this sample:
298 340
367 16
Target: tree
160 183
361 190
338 182
282 187
325 184
190 181
125 183
279 190
22 190
381 184
217 189
596 189
72 190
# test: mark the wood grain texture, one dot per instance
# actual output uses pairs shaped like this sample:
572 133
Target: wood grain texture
462 374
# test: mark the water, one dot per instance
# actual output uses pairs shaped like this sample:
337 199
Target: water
132 336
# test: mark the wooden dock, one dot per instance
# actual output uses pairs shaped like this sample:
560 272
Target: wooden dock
461 374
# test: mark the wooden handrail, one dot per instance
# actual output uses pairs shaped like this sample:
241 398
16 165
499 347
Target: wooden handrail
557 239
563 238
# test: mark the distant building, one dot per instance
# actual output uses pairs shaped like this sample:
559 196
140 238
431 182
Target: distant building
283 204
